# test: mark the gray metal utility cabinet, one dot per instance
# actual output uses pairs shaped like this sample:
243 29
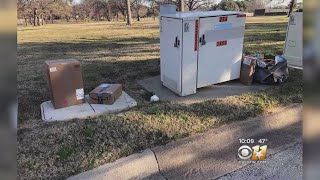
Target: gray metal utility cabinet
198 49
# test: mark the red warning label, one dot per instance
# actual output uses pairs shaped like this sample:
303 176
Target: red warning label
222 43
223 19
196 35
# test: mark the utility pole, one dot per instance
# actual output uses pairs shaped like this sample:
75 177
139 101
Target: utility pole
129 19
181 5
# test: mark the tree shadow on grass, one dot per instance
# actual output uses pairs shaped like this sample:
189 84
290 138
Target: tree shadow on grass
44 51
100 63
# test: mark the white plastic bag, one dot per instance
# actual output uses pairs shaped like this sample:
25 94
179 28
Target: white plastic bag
278 59
154 98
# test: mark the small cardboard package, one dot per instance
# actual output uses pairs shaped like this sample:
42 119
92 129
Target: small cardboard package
248 68
105 94
65 82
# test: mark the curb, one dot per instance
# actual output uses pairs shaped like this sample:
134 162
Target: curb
136 166
185 158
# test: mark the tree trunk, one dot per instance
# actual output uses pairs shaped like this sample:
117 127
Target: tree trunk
138 16
46 19
25 20
181 5
38 20
109 13
34 16
129 19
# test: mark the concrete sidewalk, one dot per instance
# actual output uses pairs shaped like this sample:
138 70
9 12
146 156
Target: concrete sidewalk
209 155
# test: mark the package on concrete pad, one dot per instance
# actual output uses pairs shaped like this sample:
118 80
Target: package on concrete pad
248 67
65 82
105 94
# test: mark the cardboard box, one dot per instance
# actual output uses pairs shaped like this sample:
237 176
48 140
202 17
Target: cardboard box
65 82
248 67
105 94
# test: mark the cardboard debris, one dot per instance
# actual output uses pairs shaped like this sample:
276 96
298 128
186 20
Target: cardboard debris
248 67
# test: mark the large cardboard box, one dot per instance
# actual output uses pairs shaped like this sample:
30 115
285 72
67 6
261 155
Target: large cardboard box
65 82
105 94
248 67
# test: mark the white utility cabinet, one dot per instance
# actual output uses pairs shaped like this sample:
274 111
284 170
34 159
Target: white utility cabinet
199 49
293 48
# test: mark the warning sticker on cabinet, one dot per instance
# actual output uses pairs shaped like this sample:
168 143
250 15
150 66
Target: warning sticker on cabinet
292 43
292 20
222 26
186 27
53 69
246 61
79 93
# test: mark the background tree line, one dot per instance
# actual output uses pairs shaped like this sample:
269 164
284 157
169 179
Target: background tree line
38 12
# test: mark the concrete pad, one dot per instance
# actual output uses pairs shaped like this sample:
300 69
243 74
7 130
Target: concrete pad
136 166
222 90
213 154
49 113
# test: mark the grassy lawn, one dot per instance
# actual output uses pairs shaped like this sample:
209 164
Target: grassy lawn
115 53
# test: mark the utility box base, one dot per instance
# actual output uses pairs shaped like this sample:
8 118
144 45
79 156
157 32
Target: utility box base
222 90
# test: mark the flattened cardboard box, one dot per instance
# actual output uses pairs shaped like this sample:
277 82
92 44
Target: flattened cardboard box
65 82
248 68
105 94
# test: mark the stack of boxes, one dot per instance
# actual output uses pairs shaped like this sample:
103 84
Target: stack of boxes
66 85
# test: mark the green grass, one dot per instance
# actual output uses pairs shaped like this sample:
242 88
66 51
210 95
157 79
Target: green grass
115 53
64 153
88 132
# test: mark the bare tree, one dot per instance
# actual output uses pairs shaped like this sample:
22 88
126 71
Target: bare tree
137 6
129 19
195 4
256 4
153 4
36 10
292 5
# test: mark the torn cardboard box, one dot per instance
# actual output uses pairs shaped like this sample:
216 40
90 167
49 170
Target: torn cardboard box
248 67
65 82
105 94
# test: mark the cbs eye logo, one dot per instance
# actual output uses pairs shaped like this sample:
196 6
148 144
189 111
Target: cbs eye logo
255 153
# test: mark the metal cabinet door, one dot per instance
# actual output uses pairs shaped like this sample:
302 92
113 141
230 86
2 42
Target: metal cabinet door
171 52
293 48
220 49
